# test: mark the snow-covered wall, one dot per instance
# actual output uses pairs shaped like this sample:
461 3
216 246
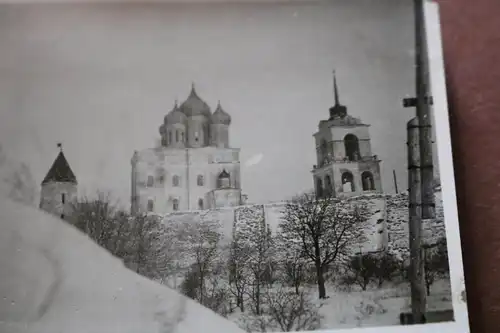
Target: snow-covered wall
233 219
386 228
397 223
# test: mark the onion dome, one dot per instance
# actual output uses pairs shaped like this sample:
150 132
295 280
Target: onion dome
194 105
162 129
220 116
175 116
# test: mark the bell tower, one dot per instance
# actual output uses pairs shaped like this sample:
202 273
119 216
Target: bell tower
346 165
59 188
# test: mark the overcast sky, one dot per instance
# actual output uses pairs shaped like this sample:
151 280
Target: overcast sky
100 79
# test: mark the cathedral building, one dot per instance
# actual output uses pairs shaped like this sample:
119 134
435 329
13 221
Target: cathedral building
346 164
59 188
194 168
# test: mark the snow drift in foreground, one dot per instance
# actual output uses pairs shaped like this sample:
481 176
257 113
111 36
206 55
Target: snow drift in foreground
53 279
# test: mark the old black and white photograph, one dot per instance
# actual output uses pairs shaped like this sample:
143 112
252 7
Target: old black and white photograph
272 166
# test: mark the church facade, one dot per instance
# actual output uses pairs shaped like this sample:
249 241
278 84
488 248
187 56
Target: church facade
194 168
346 165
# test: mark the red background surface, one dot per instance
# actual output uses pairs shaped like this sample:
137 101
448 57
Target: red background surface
471 42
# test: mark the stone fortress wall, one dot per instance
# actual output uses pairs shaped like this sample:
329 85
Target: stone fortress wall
386 228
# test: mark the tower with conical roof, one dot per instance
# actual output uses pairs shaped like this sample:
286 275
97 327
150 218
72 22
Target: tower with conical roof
194 168
59 187
345 162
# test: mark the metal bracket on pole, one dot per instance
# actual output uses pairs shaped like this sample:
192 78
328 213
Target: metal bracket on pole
412 102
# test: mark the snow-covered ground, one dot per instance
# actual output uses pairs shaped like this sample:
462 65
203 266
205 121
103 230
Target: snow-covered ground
380 307
53 279
370 308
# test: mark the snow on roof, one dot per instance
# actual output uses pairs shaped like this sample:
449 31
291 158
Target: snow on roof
55 279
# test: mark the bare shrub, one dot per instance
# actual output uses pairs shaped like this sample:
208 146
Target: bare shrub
285 311
435 263
367 308
387 268
360 270
292 311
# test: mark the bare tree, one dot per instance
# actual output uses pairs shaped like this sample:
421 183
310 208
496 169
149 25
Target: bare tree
259 264
254 246
101 221
134 239
204 250
294 263
145 249
216 289
16 180
325 228
238 272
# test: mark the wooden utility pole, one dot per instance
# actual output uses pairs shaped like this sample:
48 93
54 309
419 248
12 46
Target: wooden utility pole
420 164
424 101
417 281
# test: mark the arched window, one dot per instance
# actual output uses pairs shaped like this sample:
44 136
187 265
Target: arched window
368 182
328 185
199 180
224 180
175 181
351 144
169 137
151 181
150 205
63 198
182 136
175 205
177 136
319 188
200 204
160 175
348 182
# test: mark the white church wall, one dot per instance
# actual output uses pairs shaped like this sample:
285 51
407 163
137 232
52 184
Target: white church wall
186 165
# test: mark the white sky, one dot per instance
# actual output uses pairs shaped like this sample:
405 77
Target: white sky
100 79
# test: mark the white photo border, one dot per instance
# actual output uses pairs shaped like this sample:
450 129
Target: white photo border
447 180
445 160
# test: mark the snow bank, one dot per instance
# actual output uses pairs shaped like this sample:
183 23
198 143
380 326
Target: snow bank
54 279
